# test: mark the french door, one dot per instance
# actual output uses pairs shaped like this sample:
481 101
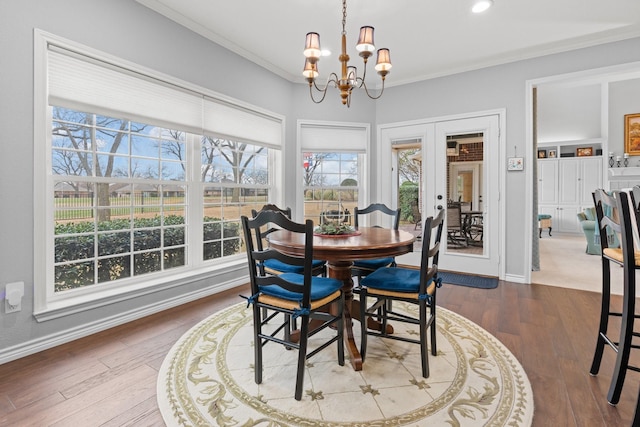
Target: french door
460 174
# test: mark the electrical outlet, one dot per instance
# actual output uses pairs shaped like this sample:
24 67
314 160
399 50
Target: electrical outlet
13 297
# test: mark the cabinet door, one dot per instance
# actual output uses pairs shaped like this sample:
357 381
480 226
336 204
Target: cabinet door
567 219
569 182
590 179
547 182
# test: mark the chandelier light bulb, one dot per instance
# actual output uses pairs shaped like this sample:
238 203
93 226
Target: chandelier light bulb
312 47
310 69
383 64
365 42
352 75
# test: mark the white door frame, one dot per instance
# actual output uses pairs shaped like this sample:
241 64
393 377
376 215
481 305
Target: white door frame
474 168
425 130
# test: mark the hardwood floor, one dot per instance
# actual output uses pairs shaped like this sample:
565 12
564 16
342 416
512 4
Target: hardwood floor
109 379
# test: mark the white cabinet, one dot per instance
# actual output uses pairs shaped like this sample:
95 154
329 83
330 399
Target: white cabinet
590 179
565 187
547 182
569 182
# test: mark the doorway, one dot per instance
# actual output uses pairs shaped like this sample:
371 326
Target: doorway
469 177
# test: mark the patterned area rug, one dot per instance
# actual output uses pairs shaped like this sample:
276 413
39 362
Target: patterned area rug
207 379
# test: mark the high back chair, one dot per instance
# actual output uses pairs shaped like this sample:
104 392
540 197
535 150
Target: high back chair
456 233
293 295
412 286
614 215
362 268
274 266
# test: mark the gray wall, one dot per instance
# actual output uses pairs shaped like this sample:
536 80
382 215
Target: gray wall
624 98
130 31
499 87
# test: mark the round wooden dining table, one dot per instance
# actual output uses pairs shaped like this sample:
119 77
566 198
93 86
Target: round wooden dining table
340 252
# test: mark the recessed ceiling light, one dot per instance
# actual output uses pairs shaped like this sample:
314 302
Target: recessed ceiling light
325 52
481 5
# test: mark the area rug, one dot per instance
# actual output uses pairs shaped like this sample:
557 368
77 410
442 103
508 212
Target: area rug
207 379
468 280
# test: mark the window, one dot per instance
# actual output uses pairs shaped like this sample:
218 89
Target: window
120 197
330 185
333 173
140 179
236 180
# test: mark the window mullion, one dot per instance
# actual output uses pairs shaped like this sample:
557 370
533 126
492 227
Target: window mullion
194 201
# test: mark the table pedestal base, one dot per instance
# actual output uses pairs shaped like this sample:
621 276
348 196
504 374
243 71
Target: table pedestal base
341 270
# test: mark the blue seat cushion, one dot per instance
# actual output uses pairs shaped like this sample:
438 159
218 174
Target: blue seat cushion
278 265
543 216
395 279
372 264
321 287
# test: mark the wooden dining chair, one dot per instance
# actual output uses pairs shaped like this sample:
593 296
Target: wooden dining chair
362 268
274 266
413 286
292 295
615 215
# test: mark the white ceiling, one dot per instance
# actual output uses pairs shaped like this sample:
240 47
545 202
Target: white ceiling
427 38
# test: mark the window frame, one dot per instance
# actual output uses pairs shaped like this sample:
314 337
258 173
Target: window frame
311 135
49 306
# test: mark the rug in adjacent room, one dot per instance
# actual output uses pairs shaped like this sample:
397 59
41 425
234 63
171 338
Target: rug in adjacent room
208 379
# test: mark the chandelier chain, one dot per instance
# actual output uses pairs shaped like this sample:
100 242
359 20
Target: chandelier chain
344 16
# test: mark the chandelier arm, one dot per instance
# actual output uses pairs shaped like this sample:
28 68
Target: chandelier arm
333 78
324 93
367 90
364 73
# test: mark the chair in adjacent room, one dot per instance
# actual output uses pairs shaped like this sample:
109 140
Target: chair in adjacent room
587 220
614 215
418 287
362 268
274 266
291 295
456 232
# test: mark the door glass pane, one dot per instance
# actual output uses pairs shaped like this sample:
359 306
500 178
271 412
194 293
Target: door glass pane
465 187
408 168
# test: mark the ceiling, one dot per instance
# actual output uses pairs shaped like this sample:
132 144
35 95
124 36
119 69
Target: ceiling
427 38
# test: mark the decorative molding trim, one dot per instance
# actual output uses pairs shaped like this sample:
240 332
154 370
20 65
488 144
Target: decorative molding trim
516 279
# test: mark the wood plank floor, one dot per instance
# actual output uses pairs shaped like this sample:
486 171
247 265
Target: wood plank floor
109 379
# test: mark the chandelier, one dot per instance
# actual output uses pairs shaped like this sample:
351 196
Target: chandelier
349 78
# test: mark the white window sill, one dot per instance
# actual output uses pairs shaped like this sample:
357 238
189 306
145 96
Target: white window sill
89 301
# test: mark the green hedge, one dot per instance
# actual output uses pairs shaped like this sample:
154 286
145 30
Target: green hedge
147 236
408 193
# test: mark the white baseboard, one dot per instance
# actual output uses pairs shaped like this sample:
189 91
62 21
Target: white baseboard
515 279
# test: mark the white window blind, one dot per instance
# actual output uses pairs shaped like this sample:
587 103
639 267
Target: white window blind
333 138
222 118
87 84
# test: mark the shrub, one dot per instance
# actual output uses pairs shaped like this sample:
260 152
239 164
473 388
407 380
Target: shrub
78 248
408 195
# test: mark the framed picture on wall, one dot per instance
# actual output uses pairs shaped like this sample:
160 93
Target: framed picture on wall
551 154
515 164
542 154
585 151
632 134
